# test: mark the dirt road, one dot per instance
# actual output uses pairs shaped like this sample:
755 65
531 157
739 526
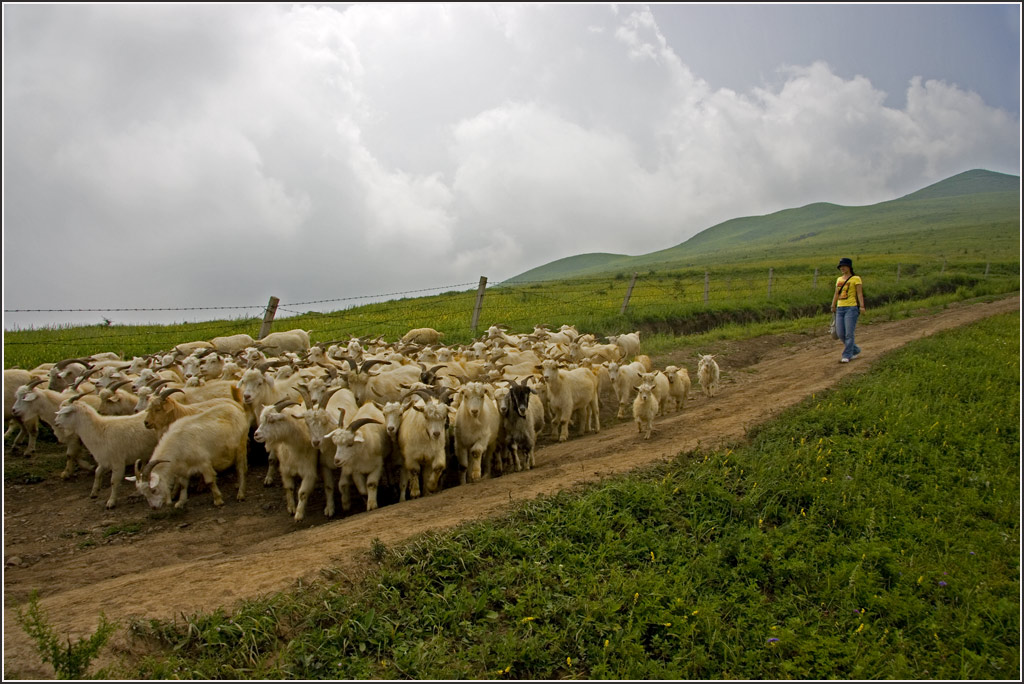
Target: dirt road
134 562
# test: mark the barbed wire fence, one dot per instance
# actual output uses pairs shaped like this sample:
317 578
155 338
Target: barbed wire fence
517 304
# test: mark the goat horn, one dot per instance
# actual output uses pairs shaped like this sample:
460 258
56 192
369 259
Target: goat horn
148 468
328 393
304 393
367 365
169 391
83 376
37 381
284 403
360 422
421 391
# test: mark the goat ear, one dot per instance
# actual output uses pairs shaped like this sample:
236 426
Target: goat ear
154 480
358 438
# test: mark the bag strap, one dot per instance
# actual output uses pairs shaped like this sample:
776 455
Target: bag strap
840 288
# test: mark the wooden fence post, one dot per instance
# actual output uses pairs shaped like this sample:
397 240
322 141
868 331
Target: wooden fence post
268 317
815 286
707 286
629 293
898 273
987 264
771 274
479 302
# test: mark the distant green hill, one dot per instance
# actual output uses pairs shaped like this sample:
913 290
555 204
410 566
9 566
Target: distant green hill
973 211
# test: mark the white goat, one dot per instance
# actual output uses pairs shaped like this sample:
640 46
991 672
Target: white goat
163 409
278 343
422 438
232 344
660 382
381 385
707 374
645 408
629 343
204 444
14 378
624 379
39 403
287 435
361 451
476 426
678 387
113 441
421 336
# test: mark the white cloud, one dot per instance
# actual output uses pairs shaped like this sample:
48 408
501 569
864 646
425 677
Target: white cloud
385 147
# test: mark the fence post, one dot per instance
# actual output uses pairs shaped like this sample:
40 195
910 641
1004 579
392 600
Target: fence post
987 264
815 286
268 317
898 273
479 301
629 293
707 286
771 273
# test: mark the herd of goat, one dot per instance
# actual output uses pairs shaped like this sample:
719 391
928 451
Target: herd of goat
360 415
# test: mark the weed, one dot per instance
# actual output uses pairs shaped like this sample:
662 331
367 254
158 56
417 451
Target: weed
72 661
378 550
124 528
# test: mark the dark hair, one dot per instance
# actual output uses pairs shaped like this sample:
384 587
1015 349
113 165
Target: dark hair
845 261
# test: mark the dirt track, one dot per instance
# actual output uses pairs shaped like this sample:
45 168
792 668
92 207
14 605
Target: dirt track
131 562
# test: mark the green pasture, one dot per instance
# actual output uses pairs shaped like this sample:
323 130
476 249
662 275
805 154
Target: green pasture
672 302
871 532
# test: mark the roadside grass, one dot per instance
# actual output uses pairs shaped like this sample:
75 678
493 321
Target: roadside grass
871 532
663 343
667 302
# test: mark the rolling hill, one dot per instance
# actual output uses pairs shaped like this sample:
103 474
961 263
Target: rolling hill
975 210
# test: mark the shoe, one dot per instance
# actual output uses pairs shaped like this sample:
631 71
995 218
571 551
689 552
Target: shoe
844 360
855 356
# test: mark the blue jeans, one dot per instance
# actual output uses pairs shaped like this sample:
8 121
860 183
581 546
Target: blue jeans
846 322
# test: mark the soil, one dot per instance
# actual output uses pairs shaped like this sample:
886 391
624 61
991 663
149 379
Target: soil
135 562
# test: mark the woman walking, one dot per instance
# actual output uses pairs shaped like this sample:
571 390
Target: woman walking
848 305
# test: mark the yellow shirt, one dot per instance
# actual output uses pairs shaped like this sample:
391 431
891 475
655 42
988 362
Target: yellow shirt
848 293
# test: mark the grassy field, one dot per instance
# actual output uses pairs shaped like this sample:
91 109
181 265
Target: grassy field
870 533
670 302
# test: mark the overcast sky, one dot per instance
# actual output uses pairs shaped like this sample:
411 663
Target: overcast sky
187 156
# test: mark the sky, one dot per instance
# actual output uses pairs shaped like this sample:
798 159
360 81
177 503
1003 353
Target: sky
181 158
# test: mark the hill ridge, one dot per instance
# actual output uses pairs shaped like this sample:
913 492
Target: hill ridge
934 217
